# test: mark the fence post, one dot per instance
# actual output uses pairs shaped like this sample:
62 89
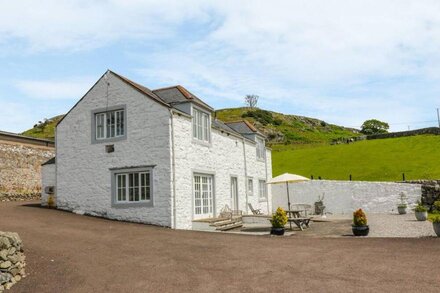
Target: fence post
350 177
311 177
319 177
403 177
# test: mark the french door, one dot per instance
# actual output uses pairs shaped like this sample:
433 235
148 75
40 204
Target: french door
203 196
234 193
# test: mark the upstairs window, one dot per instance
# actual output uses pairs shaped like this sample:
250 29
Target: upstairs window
260 148
110 124
201 125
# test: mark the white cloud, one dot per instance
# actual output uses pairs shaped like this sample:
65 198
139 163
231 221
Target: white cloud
73 88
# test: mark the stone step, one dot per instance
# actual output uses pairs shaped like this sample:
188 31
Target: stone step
226 222
230 226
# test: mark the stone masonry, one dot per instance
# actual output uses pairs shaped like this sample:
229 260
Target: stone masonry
12 260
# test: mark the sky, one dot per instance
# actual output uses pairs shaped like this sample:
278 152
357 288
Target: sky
340 61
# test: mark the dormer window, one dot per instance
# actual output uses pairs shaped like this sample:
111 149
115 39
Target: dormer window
260 148
201 125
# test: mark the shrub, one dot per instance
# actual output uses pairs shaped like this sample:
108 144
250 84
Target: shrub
279 219
434 218
359 218
262 116
436 207
277 122
420 208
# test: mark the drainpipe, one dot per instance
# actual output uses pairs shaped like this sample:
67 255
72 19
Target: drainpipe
267 188
173 168
245 176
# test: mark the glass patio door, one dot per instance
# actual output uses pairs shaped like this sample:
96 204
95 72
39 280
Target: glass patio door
203 196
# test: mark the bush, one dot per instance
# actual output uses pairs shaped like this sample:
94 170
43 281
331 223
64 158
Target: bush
262 116
420 208
436 207
434 218
359 218
277 122
279 219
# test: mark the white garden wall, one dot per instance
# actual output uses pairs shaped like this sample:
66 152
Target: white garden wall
343 197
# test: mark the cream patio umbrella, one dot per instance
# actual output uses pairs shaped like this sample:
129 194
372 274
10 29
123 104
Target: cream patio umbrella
287 178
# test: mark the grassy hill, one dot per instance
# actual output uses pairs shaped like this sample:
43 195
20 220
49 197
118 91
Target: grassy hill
288 129
44 129
372 160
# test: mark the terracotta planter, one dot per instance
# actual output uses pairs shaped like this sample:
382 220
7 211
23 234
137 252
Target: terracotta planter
421 216
277 231
360 230
436 227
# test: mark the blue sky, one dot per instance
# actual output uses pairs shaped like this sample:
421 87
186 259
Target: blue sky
340 61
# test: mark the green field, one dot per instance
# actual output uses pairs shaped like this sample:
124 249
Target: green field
373 160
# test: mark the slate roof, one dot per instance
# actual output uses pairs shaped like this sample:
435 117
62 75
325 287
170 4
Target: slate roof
243 127
178 94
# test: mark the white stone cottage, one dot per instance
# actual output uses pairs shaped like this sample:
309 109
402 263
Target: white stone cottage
160 157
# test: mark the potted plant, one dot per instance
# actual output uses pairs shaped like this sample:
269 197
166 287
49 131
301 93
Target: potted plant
279 219
403 205
360 227
421 212
435 219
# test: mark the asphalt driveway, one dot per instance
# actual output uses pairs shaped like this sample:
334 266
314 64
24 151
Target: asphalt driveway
71 253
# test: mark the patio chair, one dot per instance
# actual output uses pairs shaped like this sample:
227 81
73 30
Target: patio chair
254 211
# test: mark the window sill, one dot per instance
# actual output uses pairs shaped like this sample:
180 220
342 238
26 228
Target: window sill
262 199
132 204
201 142
107 140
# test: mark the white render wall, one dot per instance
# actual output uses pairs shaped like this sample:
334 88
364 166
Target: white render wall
343 197
83 175
48 178
222 158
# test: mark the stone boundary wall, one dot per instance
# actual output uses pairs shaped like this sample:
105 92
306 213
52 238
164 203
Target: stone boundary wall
430 191
12 260
343 197
7 196
429 130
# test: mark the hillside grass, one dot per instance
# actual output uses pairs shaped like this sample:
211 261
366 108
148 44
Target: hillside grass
372 160
44 129
288 129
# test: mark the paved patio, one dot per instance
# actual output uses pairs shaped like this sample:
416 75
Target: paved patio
71 253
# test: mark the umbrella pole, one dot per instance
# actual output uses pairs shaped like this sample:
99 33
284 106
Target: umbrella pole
288 196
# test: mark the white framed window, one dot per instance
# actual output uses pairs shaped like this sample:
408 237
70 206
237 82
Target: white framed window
133 187
203 196
201 125
250 185
260 148
262 190
110 124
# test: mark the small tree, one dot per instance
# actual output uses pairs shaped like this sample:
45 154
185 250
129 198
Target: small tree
251 100
374 126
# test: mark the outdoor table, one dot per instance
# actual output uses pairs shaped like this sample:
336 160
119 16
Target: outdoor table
295 216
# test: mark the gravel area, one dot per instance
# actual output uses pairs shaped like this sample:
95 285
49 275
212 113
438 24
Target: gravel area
394 225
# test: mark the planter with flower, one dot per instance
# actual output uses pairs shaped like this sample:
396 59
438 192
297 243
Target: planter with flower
360 227
403 205
435 219
421 212
278 221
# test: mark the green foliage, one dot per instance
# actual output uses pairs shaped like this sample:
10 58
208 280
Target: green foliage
262 116
279 219
420 207
436 207
44 129
434 218
288 129
359 218
374 126
370 160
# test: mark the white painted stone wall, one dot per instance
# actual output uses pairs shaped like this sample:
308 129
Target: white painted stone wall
83 175
343 197
48 178
223 158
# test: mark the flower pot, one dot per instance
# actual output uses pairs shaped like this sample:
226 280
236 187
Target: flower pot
402 210
360 230
436 227
421 216
277 231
